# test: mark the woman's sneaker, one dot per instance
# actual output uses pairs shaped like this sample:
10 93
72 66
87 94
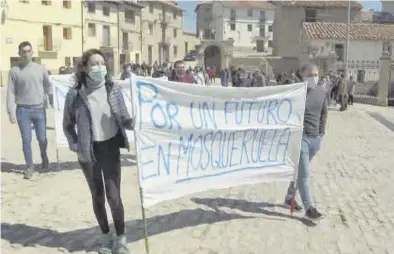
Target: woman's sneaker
106 244
313 214
120 245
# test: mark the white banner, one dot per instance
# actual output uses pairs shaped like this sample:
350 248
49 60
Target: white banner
61 84
192 138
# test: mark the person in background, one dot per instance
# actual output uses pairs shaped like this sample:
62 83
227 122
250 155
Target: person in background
62 70
199 76
69 70
126 74
343 92
158 73
334 91
315 118
351 89
179 73
95 107
155 66
224 75
28 87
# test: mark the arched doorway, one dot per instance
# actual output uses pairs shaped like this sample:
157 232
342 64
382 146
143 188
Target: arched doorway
213 57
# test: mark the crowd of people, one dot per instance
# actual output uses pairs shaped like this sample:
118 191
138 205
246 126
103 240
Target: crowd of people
94 106
339 89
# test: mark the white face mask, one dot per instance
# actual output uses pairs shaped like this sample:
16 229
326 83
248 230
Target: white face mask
97 73
312 81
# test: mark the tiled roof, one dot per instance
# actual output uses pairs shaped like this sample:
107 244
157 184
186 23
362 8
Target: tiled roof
357 31
241 4
319 4
249 4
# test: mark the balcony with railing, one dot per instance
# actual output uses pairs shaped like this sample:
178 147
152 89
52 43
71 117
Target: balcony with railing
48 47
127 47
165 19
166 40
109 42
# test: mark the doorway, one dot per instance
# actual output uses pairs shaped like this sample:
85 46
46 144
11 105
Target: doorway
212 57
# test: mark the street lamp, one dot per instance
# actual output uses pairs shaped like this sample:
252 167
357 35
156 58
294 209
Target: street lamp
347 39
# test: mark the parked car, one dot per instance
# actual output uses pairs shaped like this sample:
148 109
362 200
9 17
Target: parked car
191 56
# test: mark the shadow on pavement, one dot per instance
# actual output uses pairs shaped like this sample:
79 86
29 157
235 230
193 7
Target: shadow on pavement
126 159
86 239
250 207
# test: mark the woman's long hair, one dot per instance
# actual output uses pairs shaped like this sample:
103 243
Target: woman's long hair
82 75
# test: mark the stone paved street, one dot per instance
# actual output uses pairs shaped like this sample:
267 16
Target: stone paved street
352 183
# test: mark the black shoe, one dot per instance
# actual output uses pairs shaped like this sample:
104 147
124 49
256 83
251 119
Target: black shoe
297 207
45 163
313 214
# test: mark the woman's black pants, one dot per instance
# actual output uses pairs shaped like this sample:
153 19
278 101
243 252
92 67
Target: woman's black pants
106 172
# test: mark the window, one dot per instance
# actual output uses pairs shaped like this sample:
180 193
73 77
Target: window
48 41
67 33
91 7
270 43
106 10
270 28
91 29
262 32
151 8
174 14
262 15
150 28
339 51
360 76
67 61
250 12
66 4
137 58
232 27
249 28
207 9
207 34
24 1
175 51
310 15
125 41
46 2
175 33
233 15
106 36
129 16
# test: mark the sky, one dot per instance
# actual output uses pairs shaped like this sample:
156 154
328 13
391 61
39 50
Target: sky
189 16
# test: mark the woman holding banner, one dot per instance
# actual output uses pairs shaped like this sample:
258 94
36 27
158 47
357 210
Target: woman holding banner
95 106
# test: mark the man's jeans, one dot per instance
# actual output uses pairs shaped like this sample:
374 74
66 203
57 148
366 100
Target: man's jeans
26 117
310 145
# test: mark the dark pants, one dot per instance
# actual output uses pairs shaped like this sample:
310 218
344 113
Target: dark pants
27 117
344 102
334 94
107 165
351 99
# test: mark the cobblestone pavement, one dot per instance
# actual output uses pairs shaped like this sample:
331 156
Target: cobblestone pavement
352 183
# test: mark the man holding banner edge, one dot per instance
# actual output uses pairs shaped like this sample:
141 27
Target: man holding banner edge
28 85
315 118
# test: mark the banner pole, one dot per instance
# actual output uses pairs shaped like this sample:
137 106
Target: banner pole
57 159
144 220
